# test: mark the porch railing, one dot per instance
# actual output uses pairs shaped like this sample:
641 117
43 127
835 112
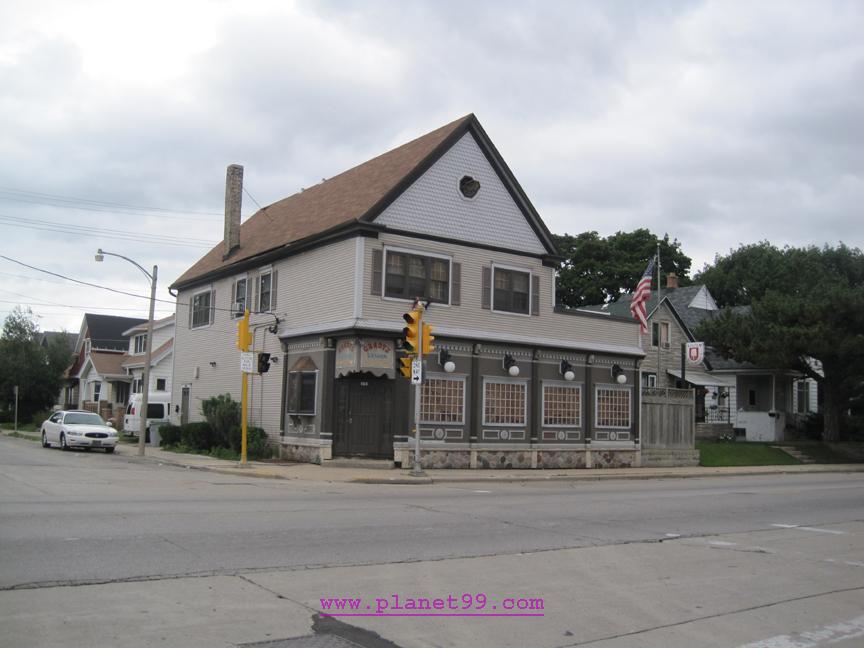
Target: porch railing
716 414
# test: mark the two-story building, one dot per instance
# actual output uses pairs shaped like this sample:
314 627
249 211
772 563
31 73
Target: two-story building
161 355
97 380
328 273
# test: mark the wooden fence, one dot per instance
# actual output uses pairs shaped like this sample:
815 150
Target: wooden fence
668 418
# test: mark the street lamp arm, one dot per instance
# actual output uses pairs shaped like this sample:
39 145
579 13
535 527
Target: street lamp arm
102 253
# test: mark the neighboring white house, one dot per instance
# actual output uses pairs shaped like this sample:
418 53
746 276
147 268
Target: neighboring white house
162 355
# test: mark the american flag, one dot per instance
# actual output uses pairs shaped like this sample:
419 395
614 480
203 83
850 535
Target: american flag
641 295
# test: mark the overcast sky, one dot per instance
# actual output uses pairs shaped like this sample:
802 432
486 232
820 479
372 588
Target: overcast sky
720 123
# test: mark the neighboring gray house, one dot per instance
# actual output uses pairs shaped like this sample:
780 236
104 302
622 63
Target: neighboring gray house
97 380
763 403
328 273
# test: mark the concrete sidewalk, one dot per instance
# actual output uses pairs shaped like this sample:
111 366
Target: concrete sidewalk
312 472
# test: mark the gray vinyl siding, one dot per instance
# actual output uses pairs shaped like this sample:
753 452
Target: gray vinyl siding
434 205
312 287
669 358
471 316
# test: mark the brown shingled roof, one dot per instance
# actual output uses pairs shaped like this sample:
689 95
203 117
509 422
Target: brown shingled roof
107 364
344 198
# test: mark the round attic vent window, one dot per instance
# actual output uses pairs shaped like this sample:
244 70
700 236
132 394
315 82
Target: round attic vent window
469 186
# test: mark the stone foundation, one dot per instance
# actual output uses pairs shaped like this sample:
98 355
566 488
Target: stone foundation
486 458
302 453
613 458
562 458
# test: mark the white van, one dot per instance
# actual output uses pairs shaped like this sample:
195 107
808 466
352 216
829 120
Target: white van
158 411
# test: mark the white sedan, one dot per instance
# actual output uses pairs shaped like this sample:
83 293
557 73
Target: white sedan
78 429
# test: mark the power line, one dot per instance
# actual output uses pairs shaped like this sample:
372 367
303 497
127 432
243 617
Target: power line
103 203
84 230
177 304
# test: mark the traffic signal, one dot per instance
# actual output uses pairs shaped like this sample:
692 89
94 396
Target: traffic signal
412 331
405 366
244 336
428 339
263 363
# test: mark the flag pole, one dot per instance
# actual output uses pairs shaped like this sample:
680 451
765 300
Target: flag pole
657 310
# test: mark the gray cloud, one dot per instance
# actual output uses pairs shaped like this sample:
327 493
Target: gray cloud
718 122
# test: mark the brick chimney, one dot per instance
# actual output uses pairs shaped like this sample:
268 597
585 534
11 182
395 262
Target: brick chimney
233 202
671 280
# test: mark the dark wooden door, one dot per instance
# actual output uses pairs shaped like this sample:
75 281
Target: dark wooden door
363 417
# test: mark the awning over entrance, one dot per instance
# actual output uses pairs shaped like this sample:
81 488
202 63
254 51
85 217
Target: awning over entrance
703 379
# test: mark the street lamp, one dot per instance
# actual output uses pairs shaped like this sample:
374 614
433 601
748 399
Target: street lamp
142 431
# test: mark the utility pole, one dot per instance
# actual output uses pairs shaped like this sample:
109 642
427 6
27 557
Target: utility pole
16 409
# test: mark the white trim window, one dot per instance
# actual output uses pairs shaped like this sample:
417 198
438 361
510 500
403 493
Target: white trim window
649 379
240 298
408 275
612 407
161 384
442 400
137 385
140 343
661 332
504 402
97 391
511 290
265 291
201 308
562 404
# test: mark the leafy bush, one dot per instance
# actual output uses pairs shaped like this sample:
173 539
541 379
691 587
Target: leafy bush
197 435
257 442
169 435
223 416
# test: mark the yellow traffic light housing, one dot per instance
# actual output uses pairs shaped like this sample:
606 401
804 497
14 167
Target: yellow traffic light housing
405 366
244 336
428 339
412 332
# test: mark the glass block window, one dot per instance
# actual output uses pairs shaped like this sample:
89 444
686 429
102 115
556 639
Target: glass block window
562 405
442 400
613 407
504 403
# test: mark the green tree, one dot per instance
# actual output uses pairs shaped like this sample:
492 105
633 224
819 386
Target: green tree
744 275
598 269
36 370
813 310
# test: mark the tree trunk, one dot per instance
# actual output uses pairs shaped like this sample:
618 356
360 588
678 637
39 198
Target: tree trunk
831 415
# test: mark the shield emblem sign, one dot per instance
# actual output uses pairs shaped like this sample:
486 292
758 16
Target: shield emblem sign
695 352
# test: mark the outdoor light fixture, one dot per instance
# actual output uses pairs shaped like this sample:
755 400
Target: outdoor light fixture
566 370
212 363
618 374
99 256
444 359
510 365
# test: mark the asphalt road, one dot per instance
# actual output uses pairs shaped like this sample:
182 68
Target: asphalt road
625 563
